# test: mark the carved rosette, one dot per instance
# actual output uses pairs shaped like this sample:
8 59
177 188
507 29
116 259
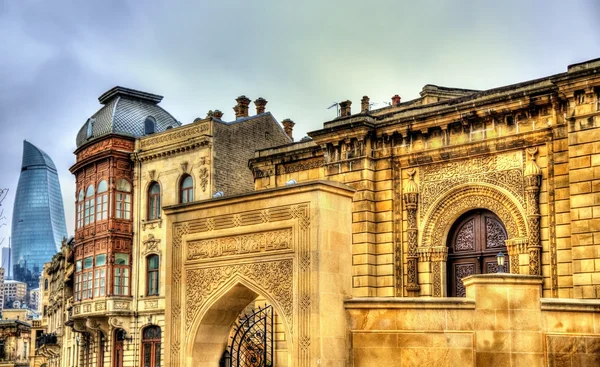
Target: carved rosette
533 180
411 199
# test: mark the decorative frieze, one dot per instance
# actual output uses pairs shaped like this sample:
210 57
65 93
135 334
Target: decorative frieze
240 245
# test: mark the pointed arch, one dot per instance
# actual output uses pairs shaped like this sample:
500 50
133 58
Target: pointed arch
207 337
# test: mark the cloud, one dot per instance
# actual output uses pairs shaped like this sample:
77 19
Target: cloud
62 55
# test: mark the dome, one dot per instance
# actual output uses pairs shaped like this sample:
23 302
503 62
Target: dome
125 112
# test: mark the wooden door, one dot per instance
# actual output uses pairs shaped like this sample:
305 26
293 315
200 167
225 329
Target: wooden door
118 352
474 241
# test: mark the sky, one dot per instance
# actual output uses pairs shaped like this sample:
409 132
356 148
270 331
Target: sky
57 57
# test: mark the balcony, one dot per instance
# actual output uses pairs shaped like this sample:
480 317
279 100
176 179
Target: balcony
47 345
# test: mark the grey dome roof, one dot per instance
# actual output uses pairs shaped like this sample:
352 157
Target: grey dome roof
34 156
124 112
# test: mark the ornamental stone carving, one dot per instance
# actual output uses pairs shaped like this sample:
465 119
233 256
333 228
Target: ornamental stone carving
411 199
503 170
464 198
533 180
276 277
239 245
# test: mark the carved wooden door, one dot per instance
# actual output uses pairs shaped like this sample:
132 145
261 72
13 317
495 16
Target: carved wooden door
474 241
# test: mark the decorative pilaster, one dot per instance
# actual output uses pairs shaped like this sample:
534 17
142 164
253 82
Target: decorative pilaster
411 198
435 259
518 255
533 180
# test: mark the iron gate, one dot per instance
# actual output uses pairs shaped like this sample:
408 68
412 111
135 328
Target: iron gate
252 341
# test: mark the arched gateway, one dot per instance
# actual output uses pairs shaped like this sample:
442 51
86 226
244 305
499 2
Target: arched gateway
290 248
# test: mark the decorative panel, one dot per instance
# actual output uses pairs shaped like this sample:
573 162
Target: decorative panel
465 239
461 271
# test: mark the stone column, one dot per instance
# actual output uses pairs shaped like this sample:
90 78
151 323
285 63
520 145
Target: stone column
533 180
411 198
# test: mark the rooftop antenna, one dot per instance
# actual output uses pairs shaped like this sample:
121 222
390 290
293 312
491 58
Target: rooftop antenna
337 105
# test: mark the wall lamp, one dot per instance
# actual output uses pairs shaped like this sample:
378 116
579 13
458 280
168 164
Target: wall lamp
500 260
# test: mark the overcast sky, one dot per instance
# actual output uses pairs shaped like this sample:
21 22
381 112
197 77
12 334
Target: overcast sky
57 57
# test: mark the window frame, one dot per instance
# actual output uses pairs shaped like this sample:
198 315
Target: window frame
153 201
123 200
186 193
152 345
152 276
121 277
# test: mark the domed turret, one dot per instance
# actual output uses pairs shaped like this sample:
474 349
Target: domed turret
126 112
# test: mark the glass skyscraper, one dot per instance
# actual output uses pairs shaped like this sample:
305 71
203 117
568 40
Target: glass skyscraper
38 223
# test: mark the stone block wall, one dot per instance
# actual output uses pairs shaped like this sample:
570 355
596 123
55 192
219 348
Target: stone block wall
502 322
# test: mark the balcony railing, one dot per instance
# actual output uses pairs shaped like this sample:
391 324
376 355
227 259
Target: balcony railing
46 339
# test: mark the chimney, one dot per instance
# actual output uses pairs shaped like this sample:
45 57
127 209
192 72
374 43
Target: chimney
364 104
217 114
288 126
345 108
395 100
260 103
241 110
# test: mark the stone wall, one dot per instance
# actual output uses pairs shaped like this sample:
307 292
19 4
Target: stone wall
502 322
484 141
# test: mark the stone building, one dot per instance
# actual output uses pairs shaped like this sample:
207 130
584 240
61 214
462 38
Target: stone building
133 158
374 242
405 273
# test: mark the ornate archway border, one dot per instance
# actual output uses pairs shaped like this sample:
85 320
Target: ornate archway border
300 215
466 197
278 288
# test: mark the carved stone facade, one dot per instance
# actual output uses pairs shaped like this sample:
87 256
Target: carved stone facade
393 210
295 255
524 152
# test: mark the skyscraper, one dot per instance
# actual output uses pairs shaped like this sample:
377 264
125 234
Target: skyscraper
38 223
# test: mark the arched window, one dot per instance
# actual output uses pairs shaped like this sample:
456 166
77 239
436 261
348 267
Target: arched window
154 201
123 200
149 125
152 277
80 204
151 346
88 216
186 192
102 201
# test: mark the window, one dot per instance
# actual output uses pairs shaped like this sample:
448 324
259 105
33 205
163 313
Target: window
89 128
186 194
88 216
154 201
78 287
99 282
86 284
123 200
121 275
100 260
151 336
79 205
152 264
102 201
149 125
579 97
